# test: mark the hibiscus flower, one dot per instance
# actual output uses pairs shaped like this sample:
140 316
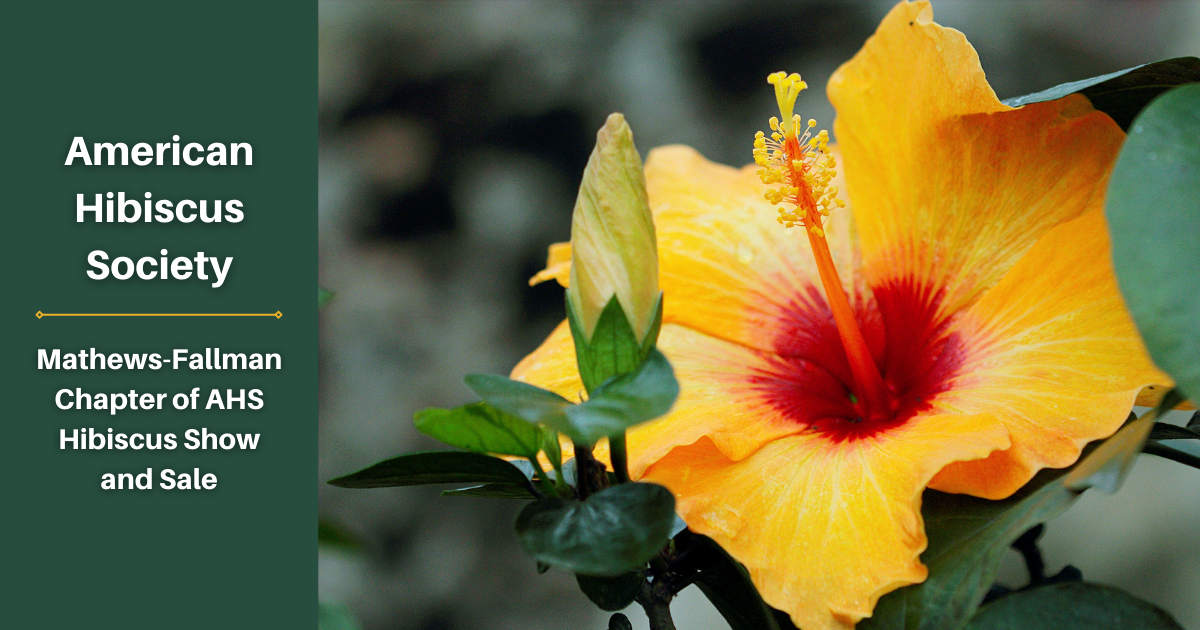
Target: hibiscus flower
956 326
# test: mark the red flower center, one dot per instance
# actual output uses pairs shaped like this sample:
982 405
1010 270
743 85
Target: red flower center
811 381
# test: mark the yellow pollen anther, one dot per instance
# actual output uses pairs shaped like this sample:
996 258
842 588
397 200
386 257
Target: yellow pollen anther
796 162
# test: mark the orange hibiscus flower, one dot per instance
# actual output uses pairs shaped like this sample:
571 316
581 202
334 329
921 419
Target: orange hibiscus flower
972 262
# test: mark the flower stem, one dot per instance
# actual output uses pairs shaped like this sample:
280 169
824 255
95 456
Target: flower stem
655 596
659 615
542 477
1027 546
620 460
590 477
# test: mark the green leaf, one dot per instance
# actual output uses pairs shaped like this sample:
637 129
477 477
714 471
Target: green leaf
480 428
1071 606
492 491
1154 222
428 468
968 537
645 394
335 617
611 593
727 585
613 349
324 296
1106 467
1124 93
614 531
528 402
619 622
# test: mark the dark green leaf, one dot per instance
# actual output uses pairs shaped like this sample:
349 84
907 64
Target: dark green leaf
611 593
531 403
623 402
613 349
1071 606
614 531
968 537
644 394
1154 221
427 468
335 617
492 491
619 622
480 428
1164 431
727 585
1124 93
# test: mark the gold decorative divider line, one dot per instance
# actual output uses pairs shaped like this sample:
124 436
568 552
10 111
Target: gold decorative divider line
276 314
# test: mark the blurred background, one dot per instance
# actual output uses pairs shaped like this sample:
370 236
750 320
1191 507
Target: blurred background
452 136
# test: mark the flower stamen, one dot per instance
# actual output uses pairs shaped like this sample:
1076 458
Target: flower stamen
801 168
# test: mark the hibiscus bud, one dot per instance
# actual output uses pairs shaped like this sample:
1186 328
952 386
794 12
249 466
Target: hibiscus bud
613 247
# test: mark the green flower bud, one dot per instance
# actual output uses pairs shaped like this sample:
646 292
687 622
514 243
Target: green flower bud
613 247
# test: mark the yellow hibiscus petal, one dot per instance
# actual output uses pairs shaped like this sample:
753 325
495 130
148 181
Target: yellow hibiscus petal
727 267
824 527
948 184
1055 357
558 266
1152 395
721 394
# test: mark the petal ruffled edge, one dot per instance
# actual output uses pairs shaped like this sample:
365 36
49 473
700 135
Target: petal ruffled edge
949 184
825 528
1055 357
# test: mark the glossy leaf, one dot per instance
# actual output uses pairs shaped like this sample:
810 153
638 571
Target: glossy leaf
619 403
480 428
611 593
429 468
492 491
619 622
645 394
968 537
1071 606
1124 93
614 531
1106 467
726 583
529 402
1154 221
